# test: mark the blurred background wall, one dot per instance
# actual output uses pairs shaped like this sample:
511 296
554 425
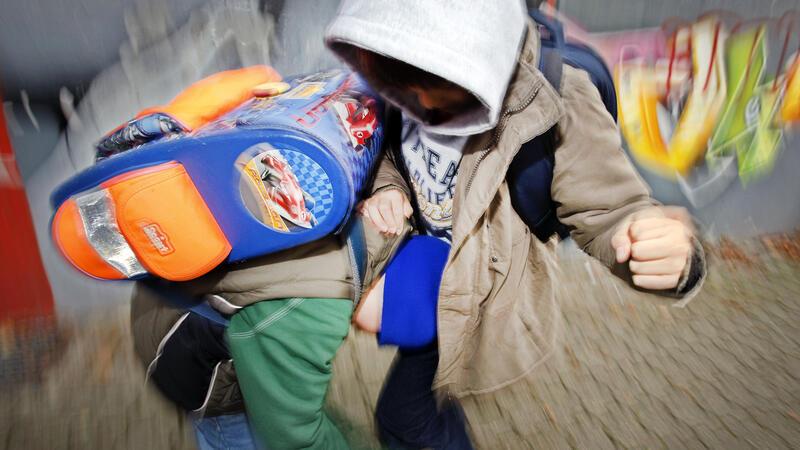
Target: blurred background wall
71 70
46 44
614 15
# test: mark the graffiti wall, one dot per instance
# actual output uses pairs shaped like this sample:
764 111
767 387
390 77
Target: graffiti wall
709 110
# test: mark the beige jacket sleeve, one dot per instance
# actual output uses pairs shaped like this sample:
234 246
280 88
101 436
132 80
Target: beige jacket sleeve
381 248
387 176
594 183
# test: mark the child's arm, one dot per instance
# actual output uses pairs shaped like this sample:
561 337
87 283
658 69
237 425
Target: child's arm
608 207
388 207
400 306
387 176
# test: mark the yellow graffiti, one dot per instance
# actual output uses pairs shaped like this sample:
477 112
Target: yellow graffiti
790 111
726 108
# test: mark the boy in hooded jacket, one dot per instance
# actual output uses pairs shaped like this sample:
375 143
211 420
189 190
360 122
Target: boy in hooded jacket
464 78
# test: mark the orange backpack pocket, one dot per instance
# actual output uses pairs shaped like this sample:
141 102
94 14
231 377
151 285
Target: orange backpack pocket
167 223
150 220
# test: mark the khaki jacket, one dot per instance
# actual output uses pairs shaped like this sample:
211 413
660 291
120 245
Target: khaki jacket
497 310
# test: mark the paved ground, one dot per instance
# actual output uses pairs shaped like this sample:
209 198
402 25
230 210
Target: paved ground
630 373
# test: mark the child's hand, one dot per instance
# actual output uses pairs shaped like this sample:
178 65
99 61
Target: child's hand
658 243
387 210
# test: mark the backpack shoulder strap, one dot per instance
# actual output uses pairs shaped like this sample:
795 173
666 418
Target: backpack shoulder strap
551 65
530 174
394 145
357 252
551 47
179 299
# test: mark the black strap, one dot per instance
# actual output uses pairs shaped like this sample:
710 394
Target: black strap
357 250
530 174
551 65
179 299
394 124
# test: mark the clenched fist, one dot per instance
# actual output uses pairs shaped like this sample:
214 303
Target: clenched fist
657 244
387 210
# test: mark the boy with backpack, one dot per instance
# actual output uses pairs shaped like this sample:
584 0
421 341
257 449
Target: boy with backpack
466 79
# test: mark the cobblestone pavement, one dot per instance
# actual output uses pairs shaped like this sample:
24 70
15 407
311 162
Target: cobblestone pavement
631 372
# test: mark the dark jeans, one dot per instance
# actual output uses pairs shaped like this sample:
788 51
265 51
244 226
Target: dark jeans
407 414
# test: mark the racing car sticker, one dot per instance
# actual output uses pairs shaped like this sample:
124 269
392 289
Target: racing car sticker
272 193
358 120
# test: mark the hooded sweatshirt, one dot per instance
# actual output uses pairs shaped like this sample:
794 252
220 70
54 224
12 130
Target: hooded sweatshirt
473 44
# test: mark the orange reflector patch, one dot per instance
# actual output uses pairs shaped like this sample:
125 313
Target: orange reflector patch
70 238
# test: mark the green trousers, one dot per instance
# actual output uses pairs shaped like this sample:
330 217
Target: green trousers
283 352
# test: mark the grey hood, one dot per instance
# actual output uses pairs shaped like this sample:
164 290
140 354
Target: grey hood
472 43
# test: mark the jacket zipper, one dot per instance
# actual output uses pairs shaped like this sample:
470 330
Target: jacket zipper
498 130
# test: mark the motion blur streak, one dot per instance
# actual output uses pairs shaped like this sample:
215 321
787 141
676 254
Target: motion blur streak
709 114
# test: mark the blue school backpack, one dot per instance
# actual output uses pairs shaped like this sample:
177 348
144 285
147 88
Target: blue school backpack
531 172
269 174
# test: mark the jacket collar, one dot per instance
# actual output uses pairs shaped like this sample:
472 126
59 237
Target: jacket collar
531 107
